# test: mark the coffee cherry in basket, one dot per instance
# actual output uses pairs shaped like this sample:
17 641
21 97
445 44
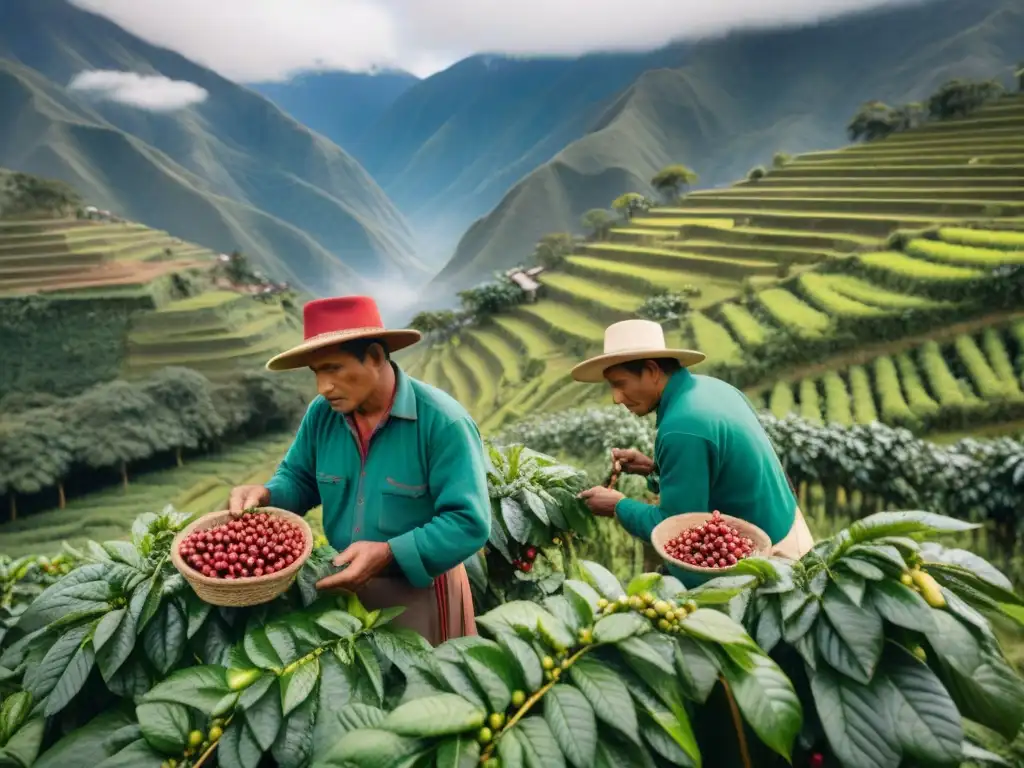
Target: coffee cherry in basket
255 544
712 544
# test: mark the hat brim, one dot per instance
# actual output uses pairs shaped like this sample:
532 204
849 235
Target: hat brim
592 371
298 356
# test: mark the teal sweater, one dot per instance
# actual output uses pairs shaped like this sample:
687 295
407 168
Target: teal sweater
711 452
423 488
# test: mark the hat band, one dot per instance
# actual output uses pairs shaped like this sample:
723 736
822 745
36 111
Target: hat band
347 332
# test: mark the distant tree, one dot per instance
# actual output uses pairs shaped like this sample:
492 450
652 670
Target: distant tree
26 194
239 270
629 204
439 323
909 116
35 453
671 180
491 297
780 159
596 222
185 408
874 120
552 249
756 173
959 98
19 402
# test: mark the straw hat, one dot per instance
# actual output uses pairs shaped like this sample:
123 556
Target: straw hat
632 340
327 322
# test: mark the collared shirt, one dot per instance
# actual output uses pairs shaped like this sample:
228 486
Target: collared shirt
711 453
421 486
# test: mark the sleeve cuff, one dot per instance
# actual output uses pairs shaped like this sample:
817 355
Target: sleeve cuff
632 516
407 555
653 484
283 497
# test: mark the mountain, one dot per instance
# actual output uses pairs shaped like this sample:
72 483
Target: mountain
266 183
453 144
732 102
339 105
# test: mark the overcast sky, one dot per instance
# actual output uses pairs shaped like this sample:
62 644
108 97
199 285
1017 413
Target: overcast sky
253 40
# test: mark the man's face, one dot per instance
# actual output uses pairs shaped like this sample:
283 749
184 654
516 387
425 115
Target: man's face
344 381
639 393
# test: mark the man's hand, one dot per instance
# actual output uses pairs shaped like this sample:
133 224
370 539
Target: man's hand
631 461
245 496
365 559
601 500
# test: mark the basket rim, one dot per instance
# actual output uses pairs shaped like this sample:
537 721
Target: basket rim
758 552
192 575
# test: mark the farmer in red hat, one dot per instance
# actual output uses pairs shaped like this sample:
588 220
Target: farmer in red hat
397 465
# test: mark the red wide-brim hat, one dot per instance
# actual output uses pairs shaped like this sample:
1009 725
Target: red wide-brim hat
327 322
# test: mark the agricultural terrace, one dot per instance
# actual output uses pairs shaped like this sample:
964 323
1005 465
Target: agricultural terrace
825 264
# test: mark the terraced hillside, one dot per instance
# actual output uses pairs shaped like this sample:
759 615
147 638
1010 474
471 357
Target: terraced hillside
127 300
802 256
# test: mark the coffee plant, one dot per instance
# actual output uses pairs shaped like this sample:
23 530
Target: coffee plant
875 650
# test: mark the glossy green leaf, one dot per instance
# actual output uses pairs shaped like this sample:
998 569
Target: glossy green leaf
928 724
697 671
768 702
852 638
298 685
260 650
857 720
370 748
510 750
515 519
862 568
603 580
84 589
573 724
91 743
400 646
529 617
529 663
540 749
906 524
294 743
263 712
440 715
607 694
583 599
24 744
163 639
42 678
106 628
461 751
715 627
900 605
768 631
656 735
238 747
618 626
645 582
165 726
198 687
722 589
367 658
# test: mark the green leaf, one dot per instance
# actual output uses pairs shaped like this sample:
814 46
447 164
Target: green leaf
667 730
656 733
91 743
957 578
645 582
281 639
294 743
440 715
768 702
619 626
260 651
906 524
530 618
900 605
15 709
607 694
462 751
42 678
562 609
106 628
722 589
535 505
165 726
399 645
83 590
164 637
698 673
852 638
800 623
603 580
976 564
972 753
366 656
572 721
540 748
370 748
198 687
138 754
769 624
927 721
856 720
510 750
263 712
515 518
862 568
853 586
197 611
529 664
298 684
239 747
495 673
715 627
24 744
885 555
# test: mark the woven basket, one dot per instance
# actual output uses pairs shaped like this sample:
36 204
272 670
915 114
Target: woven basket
670 528
237 593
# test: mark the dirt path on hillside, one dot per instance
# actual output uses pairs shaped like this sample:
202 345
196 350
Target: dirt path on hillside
865 354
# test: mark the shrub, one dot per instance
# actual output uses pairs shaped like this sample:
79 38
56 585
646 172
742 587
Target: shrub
756 173
666 309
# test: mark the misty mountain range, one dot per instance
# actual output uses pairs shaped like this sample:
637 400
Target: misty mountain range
334 179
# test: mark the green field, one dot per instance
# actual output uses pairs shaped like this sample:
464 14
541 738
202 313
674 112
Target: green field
201 485
804 253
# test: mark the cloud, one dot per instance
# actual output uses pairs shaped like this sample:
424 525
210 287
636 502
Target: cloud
155 93
253 40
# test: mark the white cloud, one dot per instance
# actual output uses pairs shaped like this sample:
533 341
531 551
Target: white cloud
251 40
155 93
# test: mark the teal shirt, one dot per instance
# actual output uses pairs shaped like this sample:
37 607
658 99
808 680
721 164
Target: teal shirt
711 452
423 488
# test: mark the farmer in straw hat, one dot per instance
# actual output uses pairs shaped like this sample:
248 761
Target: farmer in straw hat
711 452
397 465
